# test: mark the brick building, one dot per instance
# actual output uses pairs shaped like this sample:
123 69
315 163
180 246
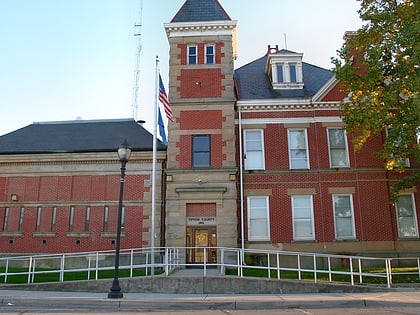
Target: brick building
59 186
256 157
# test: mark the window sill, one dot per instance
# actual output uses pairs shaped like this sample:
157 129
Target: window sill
78 234
112 234
344 240
44 234
409 238
304 241
11 234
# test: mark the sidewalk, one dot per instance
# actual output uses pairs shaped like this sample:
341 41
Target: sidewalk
21 301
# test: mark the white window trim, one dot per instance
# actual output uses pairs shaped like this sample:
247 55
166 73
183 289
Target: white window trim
295 238
286 83
414 217
346 148
262 148
308 164
214 54
188 54
352 219
267 238
406 161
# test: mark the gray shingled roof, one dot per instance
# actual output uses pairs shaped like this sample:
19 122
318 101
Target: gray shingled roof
201 11
77 136
253 83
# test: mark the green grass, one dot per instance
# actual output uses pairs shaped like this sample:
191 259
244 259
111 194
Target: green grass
398 275
21 277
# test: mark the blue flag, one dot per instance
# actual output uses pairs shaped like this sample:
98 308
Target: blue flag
162 128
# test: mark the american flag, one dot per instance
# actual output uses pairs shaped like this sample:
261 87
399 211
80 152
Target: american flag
164 99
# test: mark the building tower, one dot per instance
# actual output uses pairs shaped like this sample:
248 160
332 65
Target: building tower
201 208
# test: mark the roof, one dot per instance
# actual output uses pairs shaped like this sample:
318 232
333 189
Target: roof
77 136
252 81
201 11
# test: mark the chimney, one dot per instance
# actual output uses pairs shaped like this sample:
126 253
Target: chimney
272 50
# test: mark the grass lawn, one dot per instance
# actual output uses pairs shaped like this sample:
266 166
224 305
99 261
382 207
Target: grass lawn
399 275
21 276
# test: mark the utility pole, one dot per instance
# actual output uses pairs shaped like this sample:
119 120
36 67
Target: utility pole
138 36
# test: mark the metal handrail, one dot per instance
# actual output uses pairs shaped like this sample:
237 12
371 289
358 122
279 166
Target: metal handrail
168 259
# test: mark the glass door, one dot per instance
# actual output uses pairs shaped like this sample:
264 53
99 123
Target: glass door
199 240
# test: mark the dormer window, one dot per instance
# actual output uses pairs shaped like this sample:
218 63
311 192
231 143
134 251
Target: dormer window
285 69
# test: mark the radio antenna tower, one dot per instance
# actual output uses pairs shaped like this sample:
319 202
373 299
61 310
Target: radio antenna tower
138 36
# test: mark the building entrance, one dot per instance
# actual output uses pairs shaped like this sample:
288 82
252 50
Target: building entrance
199 238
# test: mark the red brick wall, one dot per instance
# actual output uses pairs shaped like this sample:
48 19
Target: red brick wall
374 217
201 210
201 83
64 192
202 119
3 196
335 95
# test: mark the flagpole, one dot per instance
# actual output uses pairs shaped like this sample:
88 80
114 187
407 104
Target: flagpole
155 112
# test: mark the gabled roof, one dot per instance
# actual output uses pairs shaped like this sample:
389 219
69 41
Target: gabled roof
252 81
77 136
201 11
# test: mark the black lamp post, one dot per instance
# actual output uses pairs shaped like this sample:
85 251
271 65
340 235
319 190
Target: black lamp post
124 153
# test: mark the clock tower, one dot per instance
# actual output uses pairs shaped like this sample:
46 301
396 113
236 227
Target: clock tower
201 207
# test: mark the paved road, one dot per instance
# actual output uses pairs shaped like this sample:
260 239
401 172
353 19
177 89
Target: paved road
400 302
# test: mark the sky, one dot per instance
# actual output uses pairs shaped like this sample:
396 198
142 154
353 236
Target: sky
66 60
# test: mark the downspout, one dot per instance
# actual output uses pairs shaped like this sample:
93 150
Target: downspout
241 185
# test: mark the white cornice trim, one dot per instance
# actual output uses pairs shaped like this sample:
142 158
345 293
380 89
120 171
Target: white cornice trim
298 120
273 102
285 104
200 28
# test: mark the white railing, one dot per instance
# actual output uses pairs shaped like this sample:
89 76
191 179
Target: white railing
234 261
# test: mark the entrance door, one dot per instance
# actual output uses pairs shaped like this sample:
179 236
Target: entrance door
199 240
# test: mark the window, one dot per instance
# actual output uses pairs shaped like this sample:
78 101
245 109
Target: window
54 219
258 219
298 150
22 212
71 222
87 222
192 55
280 76
343 217
293 75
209 54
288 73
254 150
406 216
395 161
106 218
38 219
201 151
6 219
303 223
122 216
337 144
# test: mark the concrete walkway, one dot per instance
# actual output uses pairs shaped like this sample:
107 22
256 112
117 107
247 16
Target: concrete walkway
18 302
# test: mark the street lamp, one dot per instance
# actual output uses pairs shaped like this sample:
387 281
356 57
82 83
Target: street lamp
124 153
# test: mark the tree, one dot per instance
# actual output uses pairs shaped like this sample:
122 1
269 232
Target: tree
379 72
